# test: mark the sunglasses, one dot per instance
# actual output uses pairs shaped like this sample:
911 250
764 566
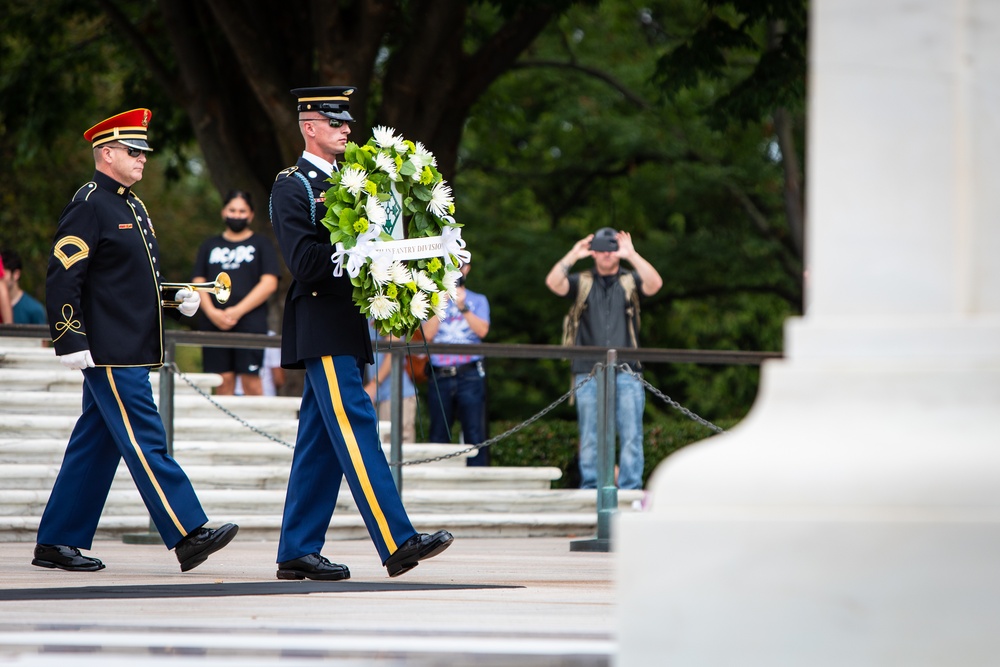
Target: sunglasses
132 152
333 121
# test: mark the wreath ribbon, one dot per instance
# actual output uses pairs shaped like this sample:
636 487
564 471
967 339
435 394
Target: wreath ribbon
449 244
356 256
454 244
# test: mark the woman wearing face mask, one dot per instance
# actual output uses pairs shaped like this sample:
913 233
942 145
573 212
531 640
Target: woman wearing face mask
252 264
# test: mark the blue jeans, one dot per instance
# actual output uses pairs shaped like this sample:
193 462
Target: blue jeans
630 398
461 396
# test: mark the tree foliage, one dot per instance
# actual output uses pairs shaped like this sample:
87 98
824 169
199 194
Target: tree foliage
754 53
678 120
588 139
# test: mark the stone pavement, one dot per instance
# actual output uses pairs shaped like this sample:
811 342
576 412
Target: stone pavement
488 602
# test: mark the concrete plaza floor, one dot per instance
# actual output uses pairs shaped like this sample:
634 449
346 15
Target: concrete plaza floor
486 602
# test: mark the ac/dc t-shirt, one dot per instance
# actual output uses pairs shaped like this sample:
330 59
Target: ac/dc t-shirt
245 261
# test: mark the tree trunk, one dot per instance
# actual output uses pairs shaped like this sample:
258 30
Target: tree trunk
794 209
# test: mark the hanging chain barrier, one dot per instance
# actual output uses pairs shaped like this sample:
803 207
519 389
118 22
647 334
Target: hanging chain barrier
495 439
623 367
229 413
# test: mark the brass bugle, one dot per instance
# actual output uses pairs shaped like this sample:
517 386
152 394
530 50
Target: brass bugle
221 288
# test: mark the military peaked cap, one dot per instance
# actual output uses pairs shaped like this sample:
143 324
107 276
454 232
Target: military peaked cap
128 128
330 101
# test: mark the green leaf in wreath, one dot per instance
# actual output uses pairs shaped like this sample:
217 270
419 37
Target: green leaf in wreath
421 192
422 222
329 222
408 169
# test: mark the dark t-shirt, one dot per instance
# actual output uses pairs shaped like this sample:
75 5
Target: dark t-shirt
605 320
245 261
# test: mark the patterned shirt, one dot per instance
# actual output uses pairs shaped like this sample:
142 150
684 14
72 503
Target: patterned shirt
455 329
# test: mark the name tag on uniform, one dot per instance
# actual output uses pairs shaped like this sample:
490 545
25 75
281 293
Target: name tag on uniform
127 225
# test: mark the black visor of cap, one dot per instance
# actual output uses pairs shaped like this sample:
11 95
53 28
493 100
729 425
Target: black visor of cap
329 101
135 143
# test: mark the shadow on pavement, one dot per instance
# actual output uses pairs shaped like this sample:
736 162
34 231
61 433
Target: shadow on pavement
224 590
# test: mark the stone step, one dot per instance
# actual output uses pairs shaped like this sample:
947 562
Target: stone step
241 476
42 476
15 451
228 502
189 405
222 429
14 344
28 354
344 526
59 379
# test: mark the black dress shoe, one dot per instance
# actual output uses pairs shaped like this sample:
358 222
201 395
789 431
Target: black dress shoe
196 547
312 566
64 558
415 549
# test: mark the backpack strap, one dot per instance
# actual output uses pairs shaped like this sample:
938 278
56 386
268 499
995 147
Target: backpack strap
571 322
627 282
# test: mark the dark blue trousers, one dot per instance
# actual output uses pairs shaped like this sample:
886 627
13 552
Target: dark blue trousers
461 396
337 438
119 421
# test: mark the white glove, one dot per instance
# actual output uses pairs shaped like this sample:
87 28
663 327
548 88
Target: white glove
190 301
78 360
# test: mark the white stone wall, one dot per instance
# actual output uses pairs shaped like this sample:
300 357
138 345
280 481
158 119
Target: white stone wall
854 517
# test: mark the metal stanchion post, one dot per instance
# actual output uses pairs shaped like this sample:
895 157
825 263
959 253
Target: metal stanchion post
607 498
607 492
396 410
166 408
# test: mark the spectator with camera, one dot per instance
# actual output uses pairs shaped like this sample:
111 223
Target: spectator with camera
457 384
605 313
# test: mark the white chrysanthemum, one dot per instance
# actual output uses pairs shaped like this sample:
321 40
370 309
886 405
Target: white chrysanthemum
385 162
450 282
400 274
382 307
441 199
419 305
381 269
419 162
375 212
424 281
442 304
425 156
384 136
354 180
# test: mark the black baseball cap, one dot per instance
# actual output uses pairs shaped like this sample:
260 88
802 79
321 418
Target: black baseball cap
605 240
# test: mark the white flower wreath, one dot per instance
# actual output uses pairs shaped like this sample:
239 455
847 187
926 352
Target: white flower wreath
383 188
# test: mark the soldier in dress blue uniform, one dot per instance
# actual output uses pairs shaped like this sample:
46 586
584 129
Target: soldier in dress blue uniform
326 334
105 314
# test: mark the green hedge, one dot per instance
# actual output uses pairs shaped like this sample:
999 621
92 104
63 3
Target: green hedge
554 442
